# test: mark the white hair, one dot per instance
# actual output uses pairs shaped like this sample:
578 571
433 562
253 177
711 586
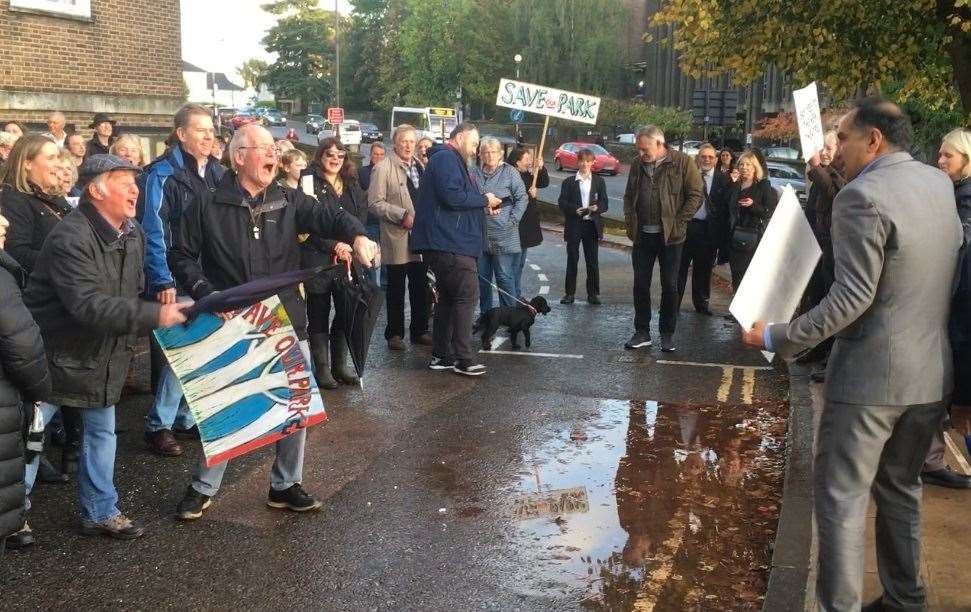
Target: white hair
651 131
241 138
487 142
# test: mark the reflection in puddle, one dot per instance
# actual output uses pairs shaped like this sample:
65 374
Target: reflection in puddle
677 512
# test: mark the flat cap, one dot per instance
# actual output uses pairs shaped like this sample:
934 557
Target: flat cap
99 164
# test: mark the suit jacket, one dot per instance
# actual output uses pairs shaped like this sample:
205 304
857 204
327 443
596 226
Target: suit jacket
569 203
716 203
896 238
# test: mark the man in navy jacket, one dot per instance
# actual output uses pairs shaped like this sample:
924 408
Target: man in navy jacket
449 232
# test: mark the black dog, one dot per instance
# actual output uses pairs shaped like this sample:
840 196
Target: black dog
518 318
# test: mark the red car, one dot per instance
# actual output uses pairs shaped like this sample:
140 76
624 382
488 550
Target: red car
241 119
565 157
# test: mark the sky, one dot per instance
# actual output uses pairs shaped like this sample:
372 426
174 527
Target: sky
219 35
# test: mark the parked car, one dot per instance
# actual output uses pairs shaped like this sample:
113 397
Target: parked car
780 153
226 116
688 147
314 123
626 138
565 157
781 174
272 116
371 133
350 132
245 118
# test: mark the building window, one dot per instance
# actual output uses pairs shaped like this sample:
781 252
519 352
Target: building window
78 9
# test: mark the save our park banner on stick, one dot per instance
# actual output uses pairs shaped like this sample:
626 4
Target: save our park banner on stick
806 102
246 381
547 101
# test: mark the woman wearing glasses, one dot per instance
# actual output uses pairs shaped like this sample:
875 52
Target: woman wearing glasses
335 184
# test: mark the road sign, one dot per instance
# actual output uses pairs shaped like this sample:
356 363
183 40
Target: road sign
441 111
335 115
714 106
516 115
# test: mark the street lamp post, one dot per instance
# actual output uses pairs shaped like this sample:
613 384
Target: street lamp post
518 59
337 47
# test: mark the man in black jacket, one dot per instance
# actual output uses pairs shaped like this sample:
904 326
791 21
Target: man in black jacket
84 294
704 230
243 230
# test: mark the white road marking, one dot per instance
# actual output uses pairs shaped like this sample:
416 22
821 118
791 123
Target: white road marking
543 278
498 341
748 385
525 354
726 386
535 267
545 289
713 365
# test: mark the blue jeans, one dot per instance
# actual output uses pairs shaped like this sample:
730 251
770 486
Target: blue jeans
502 268
96 465
287 469
518 273
47 412
169 409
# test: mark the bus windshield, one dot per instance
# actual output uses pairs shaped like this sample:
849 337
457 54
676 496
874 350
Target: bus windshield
418 118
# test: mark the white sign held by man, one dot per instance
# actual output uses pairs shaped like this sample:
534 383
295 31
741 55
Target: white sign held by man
548 101
806 101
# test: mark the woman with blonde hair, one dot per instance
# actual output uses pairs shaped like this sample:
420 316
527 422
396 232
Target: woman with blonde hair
68 176
292 165
750 203
128 146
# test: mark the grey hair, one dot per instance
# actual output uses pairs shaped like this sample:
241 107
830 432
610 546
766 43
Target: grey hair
240 139
490 141
462 128
651 131
401 130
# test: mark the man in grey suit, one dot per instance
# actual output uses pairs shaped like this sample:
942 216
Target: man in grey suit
896 238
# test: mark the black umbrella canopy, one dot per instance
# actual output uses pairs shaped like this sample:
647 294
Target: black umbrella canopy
357 302
252 292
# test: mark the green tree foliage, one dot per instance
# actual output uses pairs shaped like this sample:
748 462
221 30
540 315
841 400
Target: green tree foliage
253 71
922 45
422 51
303 39
629 116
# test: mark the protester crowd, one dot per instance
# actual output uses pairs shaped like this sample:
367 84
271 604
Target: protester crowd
100 247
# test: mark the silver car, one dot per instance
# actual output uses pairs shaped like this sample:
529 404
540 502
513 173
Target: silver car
781 175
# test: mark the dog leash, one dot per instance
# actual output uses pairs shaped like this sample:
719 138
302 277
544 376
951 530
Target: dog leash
509 295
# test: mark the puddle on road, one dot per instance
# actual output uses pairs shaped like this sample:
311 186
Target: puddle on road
653 506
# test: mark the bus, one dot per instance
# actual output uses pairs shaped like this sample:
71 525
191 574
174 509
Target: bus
434 122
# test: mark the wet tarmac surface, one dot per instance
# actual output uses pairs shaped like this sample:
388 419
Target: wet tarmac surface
575 476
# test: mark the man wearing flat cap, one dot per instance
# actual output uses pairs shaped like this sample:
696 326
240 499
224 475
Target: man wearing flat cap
104 135
84 294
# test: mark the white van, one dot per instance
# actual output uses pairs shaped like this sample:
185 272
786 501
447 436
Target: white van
350 132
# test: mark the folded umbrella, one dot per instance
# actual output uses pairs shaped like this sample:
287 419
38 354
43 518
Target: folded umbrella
357 302
252 292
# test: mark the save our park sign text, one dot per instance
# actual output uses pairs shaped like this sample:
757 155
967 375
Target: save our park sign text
548 101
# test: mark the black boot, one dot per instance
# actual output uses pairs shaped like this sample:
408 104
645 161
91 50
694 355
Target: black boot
320 352
338 361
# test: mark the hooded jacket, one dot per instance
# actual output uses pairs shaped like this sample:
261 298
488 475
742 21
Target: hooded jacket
450 211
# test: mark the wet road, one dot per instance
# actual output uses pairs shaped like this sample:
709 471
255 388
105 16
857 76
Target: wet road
615 190
578 476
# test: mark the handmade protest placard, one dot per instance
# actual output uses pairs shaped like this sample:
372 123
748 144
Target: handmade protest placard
246 380
548 101
780 269
806 101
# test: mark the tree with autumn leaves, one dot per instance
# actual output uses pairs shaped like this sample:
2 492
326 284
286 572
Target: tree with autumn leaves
919 48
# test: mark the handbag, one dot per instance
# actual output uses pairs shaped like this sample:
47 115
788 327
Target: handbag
745 239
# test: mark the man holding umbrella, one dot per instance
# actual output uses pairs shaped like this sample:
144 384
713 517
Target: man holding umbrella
244 230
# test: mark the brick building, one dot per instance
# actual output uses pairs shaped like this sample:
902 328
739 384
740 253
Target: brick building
122 57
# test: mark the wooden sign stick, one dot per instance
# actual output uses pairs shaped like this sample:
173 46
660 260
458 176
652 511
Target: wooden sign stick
539 154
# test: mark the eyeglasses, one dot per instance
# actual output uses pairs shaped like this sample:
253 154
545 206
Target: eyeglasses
266 149
335 155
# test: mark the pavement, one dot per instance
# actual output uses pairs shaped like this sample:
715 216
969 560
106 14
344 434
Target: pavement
945 536
575 475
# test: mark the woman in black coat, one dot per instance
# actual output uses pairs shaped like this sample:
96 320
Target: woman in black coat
24 379
751 203
335 184
27 181
530 232
582 205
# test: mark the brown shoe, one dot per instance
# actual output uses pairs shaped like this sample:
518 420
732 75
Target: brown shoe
395 343
163 443
424 340
119 527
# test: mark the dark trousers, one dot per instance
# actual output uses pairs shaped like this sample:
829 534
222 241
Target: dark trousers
648 249
456 279
739 261
587 236
318 313
699 255
412 274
